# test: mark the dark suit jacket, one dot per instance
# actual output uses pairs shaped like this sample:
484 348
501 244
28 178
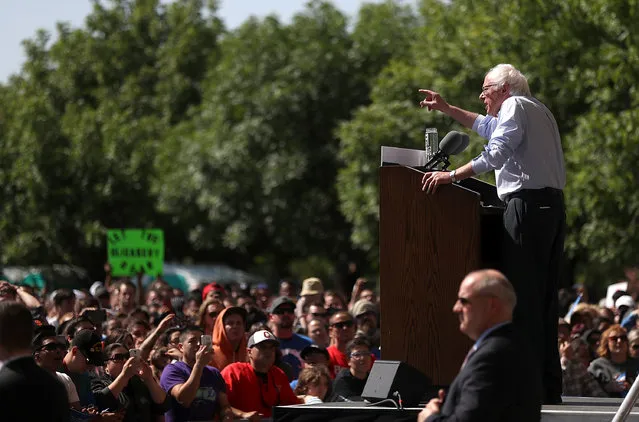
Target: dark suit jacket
29 393
500 382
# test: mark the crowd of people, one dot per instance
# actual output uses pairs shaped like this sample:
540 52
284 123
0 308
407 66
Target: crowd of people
599 345
128 352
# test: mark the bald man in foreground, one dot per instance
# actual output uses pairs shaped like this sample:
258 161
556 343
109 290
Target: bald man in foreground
499 380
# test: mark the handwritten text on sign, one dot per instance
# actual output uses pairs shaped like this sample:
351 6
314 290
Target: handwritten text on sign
131 251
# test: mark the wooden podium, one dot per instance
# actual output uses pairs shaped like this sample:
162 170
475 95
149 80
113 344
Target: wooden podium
428 243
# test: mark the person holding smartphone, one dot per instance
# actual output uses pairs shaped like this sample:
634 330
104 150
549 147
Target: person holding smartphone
128 386
197 390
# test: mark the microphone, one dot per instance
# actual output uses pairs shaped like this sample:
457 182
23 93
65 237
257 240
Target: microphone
452 144
465 140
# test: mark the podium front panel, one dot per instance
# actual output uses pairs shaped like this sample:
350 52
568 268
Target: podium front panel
428 243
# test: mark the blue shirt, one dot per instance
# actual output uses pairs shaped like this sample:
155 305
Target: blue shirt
291 349
524 147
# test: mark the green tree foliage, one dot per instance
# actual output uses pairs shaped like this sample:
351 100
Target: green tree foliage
603 147
259 170
261 145
82 123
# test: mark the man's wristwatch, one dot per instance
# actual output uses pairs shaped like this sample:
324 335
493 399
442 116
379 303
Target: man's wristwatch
452 175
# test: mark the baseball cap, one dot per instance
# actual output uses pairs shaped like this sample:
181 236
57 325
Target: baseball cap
314 348
261 337
625 301
215 286
97 289
281 301
363 306
312 286
89 343
40 333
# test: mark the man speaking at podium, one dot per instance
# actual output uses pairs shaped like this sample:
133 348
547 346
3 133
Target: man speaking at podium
524 149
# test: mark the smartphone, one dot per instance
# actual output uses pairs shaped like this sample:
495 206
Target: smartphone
206 340
134 353
96 316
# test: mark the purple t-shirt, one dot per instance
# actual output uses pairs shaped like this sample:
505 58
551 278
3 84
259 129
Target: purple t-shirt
204 405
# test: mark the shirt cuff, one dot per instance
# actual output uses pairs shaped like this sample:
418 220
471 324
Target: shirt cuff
477 122
480 165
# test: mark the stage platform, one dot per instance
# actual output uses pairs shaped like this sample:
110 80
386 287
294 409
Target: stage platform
574 409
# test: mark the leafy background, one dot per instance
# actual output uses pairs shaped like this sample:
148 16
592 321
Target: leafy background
259 146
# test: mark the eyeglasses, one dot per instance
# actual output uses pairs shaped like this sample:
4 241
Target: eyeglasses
467 300
343 324
360 354
52 347
213 314
119 357
464 301
617 338
282 311
484 88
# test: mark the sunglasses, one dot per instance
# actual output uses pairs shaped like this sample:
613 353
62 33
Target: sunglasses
52 347
635 347
213 314
318 314
616 338
342 325
119 357
280 311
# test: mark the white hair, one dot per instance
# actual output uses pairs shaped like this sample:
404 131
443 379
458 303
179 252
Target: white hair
508 74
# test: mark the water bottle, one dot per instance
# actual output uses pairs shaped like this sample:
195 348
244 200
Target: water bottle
431 142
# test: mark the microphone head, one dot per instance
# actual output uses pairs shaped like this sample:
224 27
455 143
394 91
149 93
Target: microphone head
451 142
465 140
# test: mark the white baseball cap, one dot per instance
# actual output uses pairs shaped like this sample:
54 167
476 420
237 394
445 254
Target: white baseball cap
625 301
262 336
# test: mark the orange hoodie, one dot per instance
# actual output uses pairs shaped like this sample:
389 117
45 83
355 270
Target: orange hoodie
223 353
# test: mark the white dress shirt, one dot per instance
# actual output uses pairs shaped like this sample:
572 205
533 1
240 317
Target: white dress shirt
524 147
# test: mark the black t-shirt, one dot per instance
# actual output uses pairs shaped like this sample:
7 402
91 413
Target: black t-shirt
347 386
135 398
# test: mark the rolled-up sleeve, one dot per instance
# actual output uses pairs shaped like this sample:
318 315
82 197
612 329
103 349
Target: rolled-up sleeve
505 134
484 125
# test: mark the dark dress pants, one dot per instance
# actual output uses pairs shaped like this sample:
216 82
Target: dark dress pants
535 226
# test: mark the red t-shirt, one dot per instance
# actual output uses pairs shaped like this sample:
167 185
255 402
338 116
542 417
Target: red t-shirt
339 361
248 392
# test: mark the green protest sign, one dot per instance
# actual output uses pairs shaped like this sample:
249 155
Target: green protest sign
131 251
